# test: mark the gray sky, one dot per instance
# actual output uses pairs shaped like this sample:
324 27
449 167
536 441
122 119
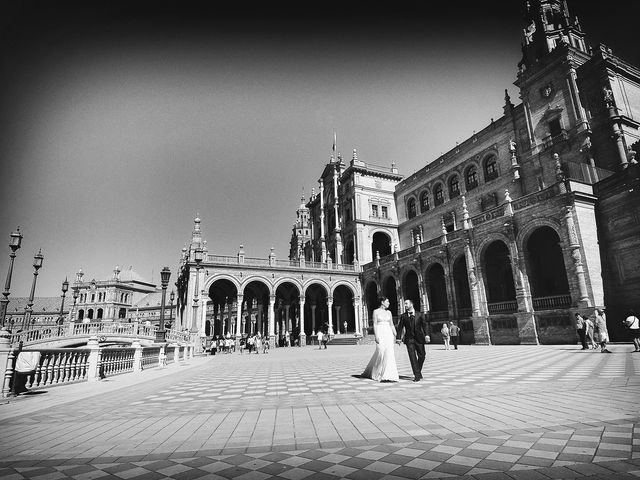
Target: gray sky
118 126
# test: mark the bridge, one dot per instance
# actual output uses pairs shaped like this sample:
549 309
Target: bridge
87 352
78 334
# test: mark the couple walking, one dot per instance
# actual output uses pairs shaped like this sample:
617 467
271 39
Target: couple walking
412 329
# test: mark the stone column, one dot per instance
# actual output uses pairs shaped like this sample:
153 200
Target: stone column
576 256
303 335
338 325
239 312
330 315
259 318
357 306
287 320
272 320
313 318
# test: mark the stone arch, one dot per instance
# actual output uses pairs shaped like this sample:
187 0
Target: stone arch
214 278
223 292
423 200
437 287
255 306
453 186
470 184
371 301
439 189
316 314
411 287
461 285
343 317
490 173
411 206
546 267
390 290
287 311
498 273
381 241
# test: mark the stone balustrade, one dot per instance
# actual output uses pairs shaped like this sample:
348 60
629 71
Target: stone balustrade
59 366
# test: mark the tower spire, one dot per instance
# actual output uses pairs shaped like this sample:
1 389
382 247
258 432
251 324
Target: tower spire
548 24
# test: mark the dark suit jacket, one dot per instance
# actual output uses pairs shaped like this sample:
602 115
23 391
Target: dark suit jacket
415 331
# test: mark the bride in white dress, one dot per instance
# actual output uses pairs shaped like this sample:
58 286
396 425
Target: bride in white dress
382 366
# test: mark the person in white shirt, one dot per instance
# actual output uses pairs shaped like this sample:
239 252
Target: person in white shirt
633 323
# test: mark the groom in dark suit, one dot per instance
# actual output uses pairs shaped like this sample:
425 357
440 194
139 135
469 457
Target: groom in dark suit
414 331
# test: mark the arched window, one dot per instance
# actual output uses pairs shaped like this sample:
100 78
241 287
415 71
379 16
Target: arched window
438 195
454 187
424 202
100 313
411 208
471 178
490 168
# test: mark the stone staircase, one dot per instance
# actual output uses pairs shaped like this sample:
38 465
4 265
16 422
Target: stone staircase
345 339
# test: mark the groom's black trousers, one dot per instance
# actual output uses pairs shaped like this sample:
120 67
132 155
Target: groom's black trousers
416 357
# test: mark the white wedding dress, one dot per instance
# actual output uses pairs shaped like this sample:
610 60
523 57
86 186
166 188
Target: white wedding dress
382 366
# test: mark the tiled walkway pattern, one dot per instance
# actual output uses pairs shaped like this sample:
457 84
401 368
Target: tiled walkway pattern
481 412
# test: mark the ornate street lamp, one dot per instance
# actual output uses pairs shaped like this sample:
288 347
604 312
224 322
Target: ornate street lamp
65 288
172 297
165 273
14 244
37 265
198 257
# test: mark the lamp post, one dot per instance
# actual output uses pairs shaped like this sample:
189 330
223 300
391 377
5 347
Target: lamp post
172 297
165 273
65 288
14 244
198 257
37 264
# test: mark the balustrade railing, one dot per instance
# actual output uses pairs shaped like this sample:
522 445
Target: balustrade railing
552 302
58 366
43 333
510 306
438 316
116 360
150 357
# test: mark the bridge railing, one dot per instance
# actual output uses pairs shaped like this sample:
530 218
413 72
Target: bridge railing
43 333
58 366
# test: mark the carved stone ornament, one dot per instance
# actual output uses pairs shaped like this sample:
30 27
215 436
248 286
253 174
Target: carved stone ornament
546 90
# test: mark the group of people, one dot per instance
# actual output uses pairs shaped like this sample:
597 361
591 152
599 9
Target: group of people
222 344
323 336
255 343
450 334
592 332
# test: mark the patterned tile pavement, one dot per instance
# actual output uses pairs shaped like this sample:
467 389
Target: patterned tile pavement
500 412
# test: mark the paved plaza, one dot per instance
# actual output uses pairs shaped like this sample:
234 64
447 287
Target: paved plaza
482 412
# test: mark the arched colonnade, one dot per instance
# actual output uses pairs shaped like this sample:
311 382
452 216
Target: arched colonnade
454 284
288 305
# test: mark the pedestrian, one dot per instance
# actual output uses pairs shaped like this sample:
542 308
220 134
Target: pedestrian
600 330
287 339
257 343
250 343
325 335
214 346
580 325
588 332
413 331
444 331
454 333
633 324
320 339
26 364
